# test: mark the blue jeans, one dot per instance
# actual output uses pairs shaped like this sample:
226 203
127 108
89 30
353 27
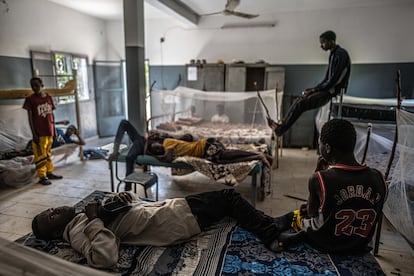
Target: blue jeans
137 147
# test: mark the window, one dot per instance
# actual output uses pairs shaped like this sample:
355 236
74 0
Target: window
55 68
65 63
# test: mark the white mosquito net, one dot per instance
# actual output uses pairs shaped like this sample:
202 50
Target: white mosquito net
14 128
16 259
186 110
16 168
399 207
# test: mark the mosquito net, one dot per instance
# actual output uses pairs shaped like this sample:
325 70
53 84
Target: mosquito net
234 117
16 160
17 259
14 128
399 207
375 149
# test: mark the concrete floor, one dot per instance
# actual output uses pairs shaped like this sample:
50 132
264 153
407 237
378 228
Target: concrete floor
289 181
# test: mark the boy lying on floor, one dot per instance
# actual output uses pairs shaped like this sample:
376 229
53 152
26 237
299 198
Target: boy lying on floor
344 204
97 233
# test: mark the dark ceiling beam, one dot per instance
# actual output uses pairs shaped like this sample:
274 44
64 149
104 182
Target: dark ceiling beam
182 9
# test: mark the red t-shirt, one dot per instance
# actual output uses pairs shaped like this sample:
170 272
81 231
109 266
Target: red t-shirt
42 111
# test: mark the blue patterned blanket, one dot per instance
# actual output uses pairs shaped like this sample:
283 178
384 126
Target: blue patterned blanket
225 249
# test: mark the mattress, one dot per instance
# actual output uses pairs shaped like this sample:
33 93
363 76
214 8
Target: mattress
371 109
226 133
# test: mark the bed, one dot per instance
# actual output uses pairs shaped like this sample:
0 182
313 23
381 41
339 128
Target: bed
380 114
15 130
18 170
184 110
371 109
229 175
388 148
224 249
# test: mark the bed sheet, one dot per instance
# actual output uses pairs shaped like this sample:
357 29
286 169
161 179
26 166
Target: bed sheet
226 133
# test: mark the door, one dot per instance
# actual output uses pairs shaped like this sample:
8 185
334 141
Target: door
236 78
110 95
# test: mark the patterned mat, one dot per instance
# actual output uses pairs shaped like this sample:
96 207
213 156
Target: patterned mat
224 249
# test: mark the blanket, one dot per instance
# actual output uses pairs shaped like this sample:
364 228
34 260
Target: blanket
17 172
228 174
224 249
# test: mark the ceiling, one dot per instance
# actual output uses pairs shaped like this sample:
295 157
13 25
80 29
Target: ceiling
112 9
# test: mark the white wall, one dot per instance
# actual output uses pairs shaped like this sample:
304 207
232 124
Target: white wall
115 46
44 26
371 35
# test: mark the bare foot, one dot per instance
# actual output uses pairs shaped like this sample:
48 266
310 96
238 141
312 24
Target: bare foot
265 161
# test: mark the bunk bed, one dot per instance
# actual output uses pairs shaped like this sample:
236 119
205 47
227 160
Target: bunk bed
15 133
379 114
387 146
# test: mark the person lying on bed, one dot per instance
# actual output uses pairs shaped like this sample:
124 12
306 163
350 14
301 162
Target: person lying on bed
97 234
208 148
65 137
345 198
137 147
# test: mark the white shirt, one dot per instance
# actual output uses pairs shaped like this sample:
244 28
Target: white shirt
220 118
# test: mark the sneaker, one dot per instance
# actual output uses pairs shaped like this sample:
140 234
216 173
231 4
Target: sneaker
54 176
44 181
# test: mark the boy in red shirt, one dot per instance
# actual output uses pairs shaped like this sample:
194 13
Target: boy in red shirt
40 108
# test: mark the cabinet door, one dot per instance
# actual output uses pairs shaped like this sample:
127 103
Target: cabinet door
194 77
235 78
206 77
275 77
213 75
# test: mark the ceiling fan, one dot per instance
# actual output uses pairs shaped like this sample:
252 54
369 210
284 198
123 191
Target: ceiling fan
229 10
